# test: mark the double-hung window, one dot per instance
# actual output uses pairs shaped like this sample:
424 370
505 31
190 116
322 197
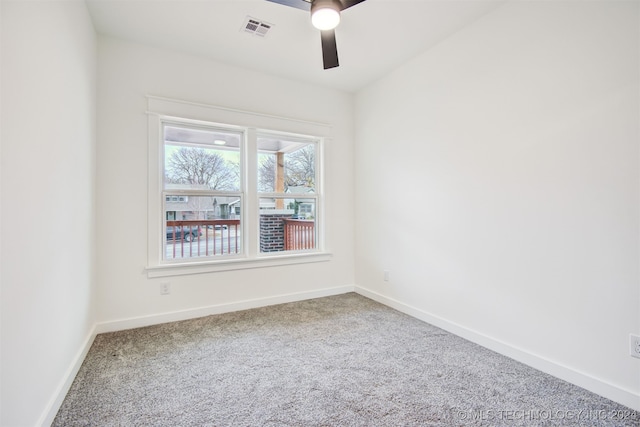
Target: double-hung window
287 192
202 189
232 195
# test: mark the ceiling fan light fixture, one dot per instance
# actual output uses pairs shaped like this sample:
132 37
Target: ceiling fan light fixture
325 14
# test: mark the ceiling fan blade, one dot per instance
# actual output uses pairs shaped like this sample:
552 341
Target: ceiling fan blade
298 4
348 3
329 49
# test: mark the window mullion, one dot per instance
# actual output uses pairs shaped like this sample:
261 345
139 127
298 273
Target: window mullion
252 213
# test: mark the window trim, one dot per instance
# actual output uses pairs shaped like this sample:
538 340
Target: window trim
162 110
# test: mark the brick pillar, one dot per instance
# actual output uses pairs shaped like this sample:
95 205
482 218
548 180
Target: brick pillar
272 232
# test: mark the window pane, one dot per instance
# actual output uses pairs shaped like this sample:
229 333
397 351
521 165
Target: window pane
266 172
201 226
286 166
201 159
287 224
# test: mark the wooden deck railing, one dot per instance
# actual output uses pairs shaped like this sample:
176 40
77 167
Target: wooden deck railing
299 234
193 238
196 238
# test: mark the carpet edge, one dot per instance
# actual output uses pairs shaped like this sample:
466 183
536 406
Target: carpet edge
581 379
55 402
174 316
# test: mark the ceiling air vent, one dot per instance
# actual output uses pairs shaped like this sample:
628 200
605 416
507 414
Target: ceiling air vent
256 27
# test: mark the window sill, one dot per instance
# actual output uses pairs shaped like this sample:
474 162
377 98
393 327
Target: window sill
182 269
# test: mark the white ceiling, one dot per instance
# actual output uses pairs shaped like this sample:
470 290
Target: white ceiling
373 38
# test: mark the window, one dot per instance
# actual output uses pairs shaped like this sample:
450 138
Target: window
202 189
287 192
181 199
227 196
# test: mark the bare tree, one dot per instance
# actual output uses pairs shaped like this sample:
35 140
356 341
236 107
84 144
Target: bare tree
190 165
301 167
200 205
267 173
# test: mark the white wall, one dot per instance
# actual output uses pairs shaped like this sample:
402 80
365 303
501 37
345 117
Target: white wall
497 181
48 144
127 73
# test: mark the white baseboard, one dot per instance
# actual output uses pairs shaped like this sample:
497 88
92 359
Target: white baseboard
56 400
581 379
617 394
52 408
155 319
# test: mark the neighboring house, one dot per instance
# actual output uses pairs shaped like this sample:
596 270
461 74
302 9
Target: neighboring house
295 206
305 209
181 206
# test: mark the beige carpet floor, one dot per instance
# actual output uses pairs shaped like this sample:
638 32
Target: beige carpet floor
337 361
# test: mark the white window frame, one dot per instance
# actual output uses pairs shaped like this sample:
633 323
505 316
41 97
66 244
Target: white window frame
162 110
240 193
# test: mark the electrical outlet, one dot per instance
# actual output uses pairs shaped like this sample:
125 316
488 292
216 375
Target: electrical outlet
165 288
386 275
634 345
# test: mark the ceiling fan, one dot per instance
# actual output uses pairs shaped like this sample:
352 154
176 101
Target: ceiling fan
325 16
